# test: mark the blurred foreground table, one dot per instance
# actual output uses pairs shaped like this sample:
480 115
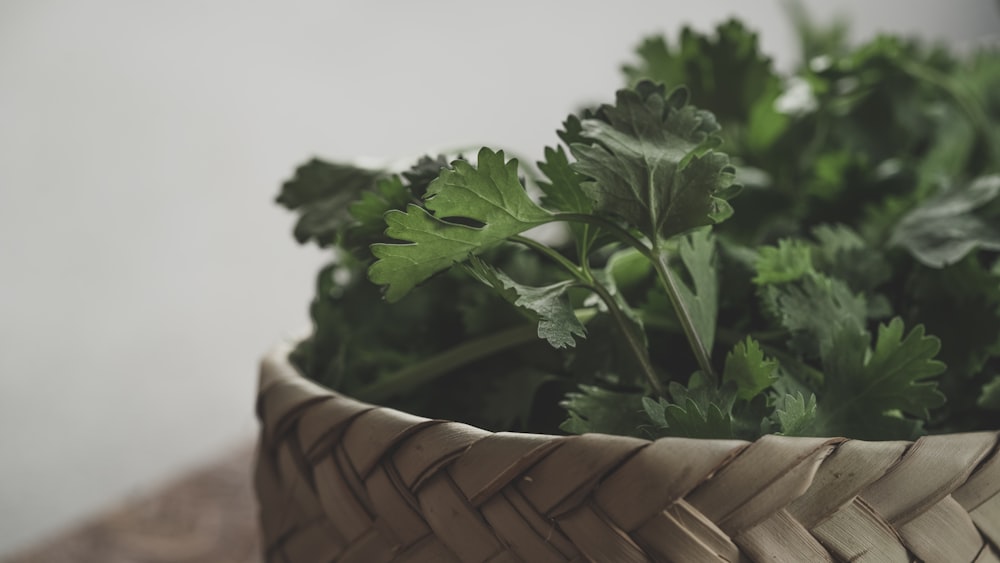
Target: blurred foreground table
209 516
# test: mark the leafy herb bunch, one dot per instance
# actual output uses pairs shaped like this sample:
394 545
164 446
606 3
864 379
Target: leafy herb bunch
855 291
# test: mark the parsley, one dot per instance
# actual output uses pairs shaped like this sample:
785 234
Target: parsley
852 288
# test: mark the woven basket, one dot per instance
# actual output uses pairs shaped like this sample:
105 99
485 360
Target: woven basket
340 480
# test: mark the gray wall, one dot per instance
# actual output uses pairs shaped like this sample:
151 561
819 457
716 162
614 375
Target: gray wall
143 268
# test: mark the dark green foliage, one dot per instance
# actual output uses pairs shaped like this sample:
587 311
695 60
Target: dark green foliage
852 289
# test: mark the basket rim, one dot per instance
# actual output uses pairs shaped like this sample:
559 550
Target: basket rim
275 368
937 497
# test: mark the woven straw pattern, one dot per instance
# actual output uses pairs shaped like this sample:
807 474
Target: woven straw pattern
339 480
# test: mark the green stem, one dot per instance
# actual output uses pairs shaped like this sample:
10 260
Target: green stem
583 250
658 257
635 343
622 234
551 253
431 368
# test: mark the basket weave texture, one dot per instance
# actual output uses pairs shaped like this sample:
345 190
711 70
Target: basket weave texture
339 480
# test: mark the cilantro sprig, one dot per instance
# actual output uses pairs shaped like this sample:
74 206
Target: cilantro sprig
853 287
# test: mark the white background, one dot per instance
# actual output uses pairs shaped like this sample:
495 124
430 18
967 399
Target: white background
143 266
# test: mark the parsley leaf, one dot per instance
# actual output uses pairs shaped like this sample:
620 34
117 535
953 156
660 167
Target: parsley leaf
726 72
841 253
866 392
747 367
595 409
322 192
557 322
943 230
704 410
840 228
562 190
368 227
653 164
490 194
688 418
789 261
796 415
697 251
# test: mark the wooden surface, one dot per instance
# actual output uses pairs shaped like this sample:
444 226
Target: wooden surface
209 516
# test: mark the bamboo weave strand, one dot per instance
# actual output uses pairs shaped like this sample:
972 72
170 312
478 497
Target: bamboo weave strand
342 481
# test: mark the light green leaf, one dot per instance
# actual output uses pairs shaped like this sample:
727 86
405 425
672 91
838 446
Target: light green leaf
653 165
789 261
490 194
795 414
747 367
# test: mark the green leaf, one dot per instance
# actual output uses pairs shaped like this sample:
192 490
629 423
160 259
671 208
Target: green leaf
550 306
747 367
425 171
796 416
692 420
697 251
595 409
725 72
490 194
816 308
369 211
653 164
961 305
897 371
842 253
866 393
322 193
787 262
563 191
943 230
703 410
389 193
